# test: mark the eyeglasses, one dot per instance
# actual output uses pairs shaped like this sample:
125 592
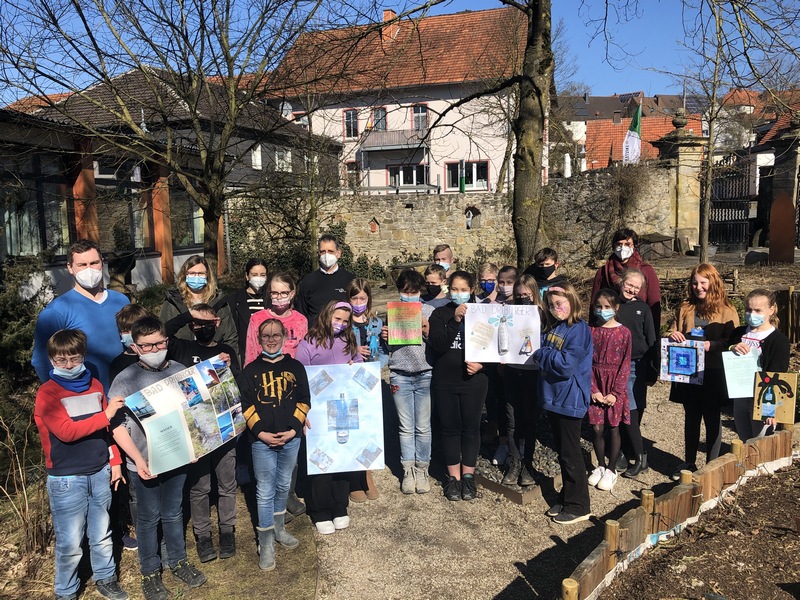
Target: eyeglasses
162 345
271 337
198 274
67 361
279 294
488 280
630 287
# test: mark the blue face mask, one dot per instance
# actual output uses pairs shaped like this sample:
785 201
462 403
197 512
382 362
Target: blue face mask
445 265
71 373
196 282
272 354
488 286
753 320
605 314
127 339
460 298
408 298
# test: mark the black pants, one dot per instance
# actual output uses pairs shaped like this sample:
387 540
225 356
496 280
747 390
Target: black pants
329 496
522 410
709 413
459 409
496 398
574 495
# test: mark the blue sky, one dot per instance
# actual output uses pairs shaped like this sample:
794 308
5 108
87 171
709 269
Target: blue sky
651 40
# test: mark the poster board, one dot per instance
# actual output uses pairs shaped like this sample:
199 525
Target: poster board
188 414
346 417
775 395
740 373
404 320
502 333
683 362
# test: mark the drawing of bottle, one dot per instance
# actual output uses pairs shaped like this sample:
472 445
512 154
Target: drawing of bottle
342 426
502 336
527 347
768 406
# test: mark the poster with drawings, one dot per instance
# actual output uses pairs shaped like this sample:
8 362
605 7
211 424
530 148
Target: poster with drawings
683 362
346 418
502 333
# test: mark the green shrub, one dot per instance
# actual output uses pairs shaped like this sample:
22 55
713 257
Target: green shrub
153 297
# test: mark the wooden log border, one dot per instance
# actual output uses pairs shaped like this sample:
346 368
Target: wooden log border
660 518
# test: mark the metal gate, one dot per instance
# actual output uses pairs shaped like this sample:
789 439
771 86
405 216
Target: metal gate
729 219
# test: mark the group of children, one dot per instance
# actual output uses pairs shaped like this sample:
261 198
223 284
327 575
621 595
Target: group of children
578 370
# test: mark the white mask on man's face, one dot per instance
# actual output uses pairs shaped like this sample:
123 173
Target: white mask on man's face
89 278
327 260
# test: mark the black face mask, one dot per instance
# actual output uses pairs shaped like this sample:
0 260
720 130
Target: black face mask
523 301
541 273
205 333
433 290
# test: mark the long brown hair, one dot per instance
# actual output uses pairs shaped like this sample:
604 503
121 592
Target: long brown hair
716 296
529 281
355 287
565 290
206 293
321 332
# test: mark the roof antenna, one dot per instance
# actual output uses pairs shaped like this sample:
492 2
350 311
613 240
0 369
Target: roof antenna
143 125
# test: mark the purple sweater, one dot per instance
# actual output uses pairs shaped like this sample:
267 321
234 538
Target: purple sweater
309 354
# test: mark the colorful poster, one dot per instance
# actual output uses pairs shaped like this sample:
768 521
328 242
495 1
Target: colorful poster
502 333
189 414
346 417
683 362
775 395
740 373
405 323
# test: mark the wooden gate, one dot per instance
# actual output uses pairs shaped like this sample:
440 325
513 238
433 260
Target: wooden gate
729 219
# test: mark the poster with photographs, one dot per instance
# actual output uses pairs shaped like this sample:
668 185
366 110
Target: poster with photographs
346 417
189 414
502 333
683 362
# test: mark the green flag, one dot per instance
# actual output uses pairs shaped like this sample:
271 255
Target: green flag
632 146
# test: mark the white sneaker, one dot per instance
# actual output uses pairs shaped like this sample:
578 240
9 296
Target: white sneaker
341 522
608 480
325 527
501 455
596 476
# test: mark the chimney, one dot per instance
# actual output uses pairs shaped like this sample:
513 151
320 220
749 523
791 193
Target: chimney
388 33
617 117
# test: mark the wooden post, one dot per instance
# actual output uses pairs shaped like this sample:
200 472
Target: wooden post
569 589
686 477
736 449
612 539
791 326
648 501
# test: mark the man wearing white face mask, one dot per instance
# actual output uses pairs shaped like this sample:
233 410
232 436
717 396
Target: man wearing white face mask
626 256
327 283
88 306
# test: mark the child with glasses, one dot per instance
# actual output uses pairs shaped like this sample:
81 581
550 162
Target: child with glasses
73 417
159 498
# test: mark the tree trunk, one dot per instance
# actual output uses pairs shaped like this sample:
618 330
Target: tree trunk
529 128
211 216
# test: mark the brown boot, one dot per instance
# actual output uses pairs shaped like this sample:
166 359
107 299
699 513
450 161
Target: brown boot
372 490
358 496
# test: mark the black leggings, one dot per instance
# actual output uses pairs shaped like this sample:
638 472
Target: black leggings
523 410
459 408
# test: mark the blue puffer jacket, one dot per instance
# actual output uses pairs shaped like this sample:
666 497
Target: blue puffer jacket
565 360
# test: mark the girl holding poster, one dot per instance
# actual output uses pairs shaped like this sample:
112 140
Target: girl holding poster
275 414
367 325
459 388
706 315
761 336
331 341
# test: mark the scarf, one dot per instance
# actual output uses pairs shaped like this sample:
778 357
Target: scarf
614 267
80 384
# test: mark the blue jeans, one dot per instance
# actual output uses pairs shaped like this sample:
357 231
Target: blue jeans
637 388
159 500
80 504
273 471
412 398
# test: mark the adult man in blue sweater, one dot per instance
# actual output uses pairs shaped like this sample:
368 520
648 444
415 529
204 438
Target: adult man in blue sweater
88 306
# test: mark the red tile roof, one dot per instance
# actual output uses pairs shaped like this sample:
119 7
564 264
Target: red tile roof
604 138
470 46
779 127
31 104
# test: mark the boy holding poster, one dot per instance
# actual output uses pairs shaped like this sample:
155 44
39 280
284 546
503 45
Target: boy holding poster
159 498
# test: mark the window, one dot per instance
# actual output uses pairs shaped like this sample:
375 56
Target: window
123 205
352 175
255 157
408 175
283 160
379 119
187 219
476 175
351 124
420 112
300 119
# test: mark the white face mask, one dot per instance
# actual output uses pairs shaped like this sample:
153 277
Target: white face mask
623 252
327 260
257 283
154 359
89 278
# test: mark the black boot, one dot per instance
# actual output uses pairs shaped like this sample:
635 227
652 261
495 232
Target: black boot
526 476
640 466
514 468
622 463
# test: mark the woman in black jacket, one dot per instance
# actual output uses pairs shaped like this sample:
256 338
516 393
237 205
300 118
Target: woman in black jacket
762 336
254 296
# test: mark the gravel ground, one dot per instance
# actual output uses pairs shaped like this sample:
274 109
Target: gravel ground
423 546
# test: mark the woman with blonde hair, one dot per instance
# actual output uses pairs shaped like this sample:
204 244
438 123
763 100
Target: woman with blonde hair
708 316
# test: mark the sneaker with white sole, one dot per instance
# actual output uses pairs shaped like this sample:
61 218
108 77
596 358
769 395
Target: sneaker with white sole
607 481
341 522
325 527
596 476
500 455
567 518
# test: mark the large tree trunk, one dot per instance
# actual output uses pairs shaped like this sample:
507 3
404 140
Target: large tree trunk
211 217
529 129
